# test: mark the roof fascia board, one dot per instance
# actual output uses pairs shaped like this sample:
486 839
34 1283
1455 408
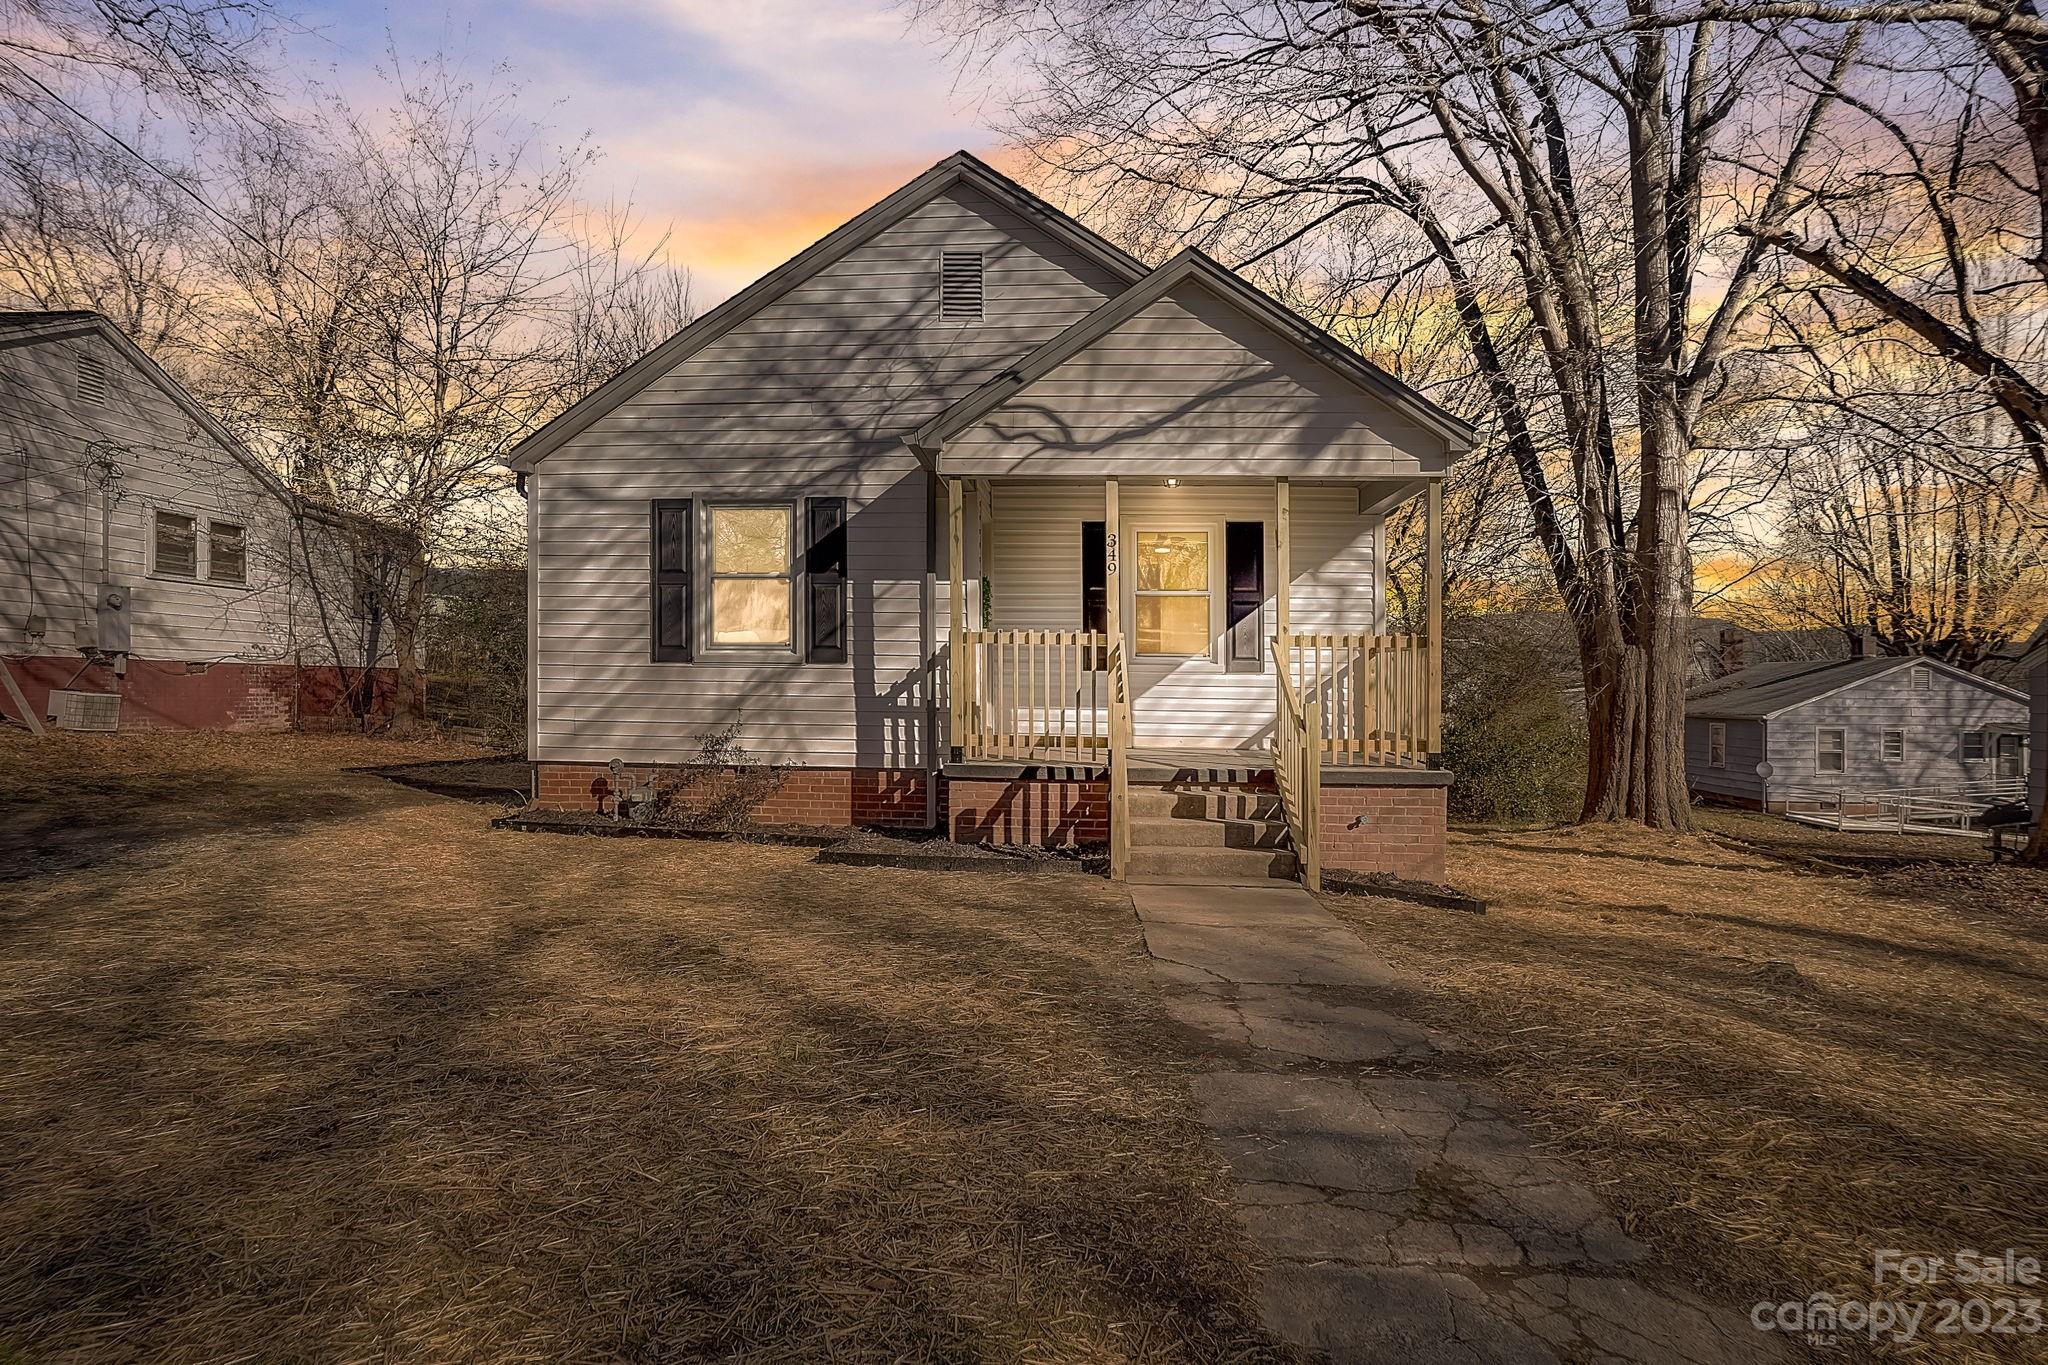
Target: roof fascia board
834 246
1189 264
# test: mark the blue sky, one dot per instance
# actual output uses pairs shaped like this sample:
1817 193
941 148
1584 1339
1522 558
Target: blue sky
750 126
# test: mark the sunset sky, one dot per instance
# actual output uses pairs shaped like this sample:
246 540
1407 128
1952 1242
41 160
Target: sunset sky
753 126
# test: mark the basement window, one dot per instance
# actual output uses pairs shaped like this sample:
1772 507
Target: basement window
961 279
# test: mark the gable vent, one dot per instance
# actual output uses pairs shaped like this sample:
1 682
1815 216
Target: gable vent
92 380
960 291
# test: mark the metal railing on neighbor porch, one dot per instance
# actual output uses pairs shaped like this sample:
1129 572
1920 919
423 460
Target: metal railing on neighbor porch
1379 694
1040 696
1902 810
1298 769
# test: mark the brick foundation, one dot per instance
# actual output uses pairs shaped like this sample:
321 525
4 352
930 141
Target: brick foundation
1394 829
804 796
1046 812
171 694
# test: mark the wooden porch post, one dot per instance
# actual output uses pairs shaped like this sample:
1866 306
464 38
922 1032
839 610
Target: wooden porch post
956 574
1283 563
1113 598
1434 553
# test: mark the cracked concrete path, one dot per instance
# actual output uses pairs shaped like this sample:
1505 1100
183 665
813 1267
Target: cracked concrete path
1403 1216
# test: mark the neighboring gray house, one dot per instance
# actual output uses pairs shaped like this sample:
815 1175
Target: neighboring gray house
917 510
2034 660
152 571
1858 724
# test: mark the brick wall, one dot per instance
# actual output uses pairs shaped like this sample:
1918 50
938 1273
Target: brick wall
1046 813
1385 829
804 796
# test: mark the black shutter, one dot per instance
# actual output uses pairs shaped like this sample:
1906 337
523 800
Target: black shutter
1095 582
669 558
825 573
1244 577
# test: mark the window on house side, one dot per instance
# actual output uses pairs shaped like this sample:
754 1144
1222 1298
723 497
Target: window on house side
175 545
751 598
1173 592
1973 746
1717 744
1832 750
227 552
962 276
1895 746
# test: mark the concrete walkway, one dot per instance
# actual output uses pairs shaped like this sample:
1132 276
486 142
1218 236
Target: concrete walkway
1403 1216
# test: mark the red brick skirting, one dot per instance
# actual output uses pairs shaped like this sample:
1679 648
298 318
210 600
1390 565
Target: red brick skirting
171 694
1392 829
1046 812
797 796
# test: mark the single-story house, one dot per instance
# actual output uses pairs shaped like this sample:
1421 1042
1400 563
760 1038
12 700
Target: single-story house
1862 724
2034 662
968 517
153 573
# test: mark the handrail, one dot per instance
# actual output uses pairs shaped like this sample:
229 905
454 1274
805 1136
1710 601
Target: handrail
1298 768
1119 764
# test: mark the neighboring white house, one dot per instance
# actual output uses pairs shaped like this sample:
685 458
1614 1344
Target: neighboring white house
145 554
1852 725
915 507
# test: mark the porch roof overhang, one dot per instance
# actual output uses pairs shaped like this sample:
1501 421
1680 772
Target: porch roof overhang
1451 436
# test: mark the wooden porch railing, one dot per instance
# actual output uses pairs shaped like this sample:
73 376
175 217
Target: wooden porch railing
1119 765
1036 695
1298 769
1379 694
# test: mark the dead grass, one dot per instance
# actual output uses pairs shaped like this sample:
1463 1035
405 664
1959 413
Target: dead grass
307 1065
1771 1072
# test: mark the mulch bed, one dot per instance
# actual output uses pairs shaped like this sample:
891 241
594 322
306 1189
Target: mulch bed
932 851
603 826
501 779
1433 894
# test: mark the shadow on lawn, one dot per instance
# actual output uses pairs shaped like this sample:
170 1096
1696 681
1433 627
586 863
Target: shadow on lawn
691 1104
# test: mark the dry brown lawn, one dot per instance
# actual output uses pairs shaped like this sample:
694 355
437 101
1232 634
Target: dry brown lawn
1771 1071
306 1065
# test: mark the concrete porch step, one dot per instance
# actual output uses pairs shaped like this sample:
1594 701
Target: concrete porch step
1204 803
1212 864
1205 832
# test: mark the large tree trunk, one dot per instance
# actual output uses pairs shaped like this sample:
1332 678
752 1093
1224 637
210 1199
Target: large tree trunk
409 703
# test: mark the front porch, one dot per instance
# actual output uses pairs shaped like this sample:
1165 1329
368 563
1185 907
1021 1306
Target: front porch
1185 638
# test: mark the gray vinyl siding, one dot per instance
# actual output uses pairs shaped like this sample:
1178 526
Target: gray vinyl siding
1191 386
50 504
1933 721
808 397
1035 574
1737 780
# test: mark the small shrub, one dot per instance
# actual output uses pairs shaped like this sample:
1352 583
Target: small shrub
1516 745
721 790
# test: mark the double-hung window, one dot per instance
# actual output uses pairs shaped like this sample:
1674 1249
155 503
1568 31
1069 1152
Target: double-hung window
1717 744
1973 746
174 544
1831 750
752 579
1172 592
227 552
1895 746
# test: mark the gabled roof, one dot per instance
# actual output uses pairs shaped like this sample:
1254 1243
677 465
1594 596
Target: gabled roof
1766 690
1192 266
2035 650
957 169
64 324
